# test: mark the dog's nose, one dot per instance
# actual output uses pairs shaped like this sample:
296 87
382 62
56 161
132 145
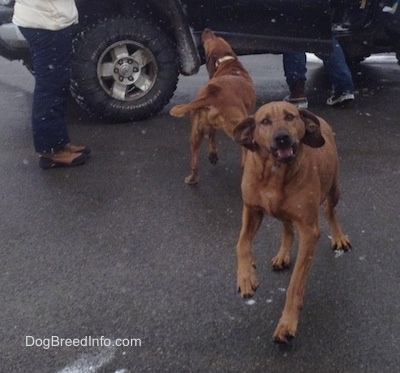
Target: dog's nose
282 139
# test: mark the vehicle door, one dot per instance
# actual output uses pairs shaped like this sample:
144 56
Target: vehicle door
265 25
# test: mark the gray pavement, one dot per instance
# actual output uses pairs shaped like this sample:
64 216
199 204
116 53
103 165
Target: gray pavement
121 248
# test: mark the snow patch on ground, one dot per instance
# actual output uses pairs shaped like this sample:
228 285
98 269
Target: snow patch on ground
376 58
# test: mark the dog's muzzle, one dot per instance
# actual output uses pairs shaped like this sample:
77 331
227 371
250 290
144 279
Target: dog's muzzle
284 149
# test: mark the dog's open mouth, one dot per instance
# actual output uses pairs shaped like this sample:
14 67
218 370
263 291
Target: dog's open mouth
285 154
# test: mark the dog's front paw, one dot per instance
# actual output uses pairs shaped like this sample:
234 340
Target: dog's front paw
247 282
341 243
280 262
285 331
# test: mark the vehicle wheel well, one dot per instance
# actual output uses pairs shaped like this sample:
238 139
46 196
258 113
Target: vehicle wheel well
90 13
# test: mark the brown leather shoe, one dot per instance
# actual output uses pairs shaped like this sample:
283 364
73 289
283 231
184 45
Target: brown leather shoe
61 158
77 149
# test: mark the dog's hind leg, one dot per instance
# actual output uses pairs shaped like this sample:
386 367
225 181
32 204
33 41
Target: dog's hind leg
282 259
212 147
338 240
196 138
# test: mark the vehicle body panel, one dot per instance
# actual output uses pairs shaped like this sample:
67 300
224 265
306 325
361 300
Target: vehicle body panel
260 26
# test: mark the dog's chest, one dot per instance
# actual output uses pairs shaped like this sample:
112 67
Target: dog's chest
284 192
268 192
267 197
271 201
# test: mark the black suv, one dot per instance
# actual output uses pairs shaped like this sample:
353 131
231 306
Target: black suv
128 54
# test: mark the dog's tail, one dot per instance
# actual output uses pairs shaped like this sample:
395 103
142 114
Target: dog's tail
204 101
180 110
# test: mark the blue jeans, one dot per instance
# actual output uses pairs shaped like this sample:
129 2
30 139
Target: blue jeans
294 65
51 54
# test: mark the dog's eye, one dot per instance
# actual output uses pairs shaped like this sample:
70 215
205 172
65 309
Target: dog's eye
266 122
289 117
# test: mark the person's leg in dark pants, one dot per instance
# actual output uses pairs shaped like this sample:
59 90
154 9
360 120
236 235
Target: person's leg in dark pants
294 66
51 54
340 76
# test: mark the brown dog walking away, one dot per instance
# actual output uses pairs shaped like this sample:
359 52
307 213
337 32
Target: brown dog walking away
225 100
291 170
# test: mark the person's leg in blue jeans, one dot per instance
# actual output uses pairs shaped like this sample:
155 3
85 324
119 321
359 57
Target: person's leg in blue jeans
51 54
339 75
294 66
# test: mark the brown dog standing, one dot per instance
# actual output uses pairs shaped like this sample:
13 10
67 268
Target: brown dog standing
291 170
226 99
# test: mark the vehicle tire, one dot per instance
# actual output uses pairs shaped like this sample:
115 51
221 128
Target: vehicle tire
124 69
354 60
398 57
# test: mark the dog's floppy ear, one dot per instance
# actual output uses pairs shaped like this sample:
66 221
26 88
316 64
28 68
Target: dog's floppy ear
243 133
313 136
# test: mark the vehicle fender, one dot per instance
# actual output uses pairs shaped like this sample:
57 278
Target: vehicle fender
169 15
187 50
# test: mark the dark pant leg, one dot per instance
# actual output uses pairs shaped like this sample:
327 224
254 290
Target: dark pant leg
338 71
51 55
294 66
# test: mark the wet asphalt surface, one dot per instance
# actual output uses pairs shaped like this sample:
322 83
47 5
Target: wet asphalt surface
122 248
